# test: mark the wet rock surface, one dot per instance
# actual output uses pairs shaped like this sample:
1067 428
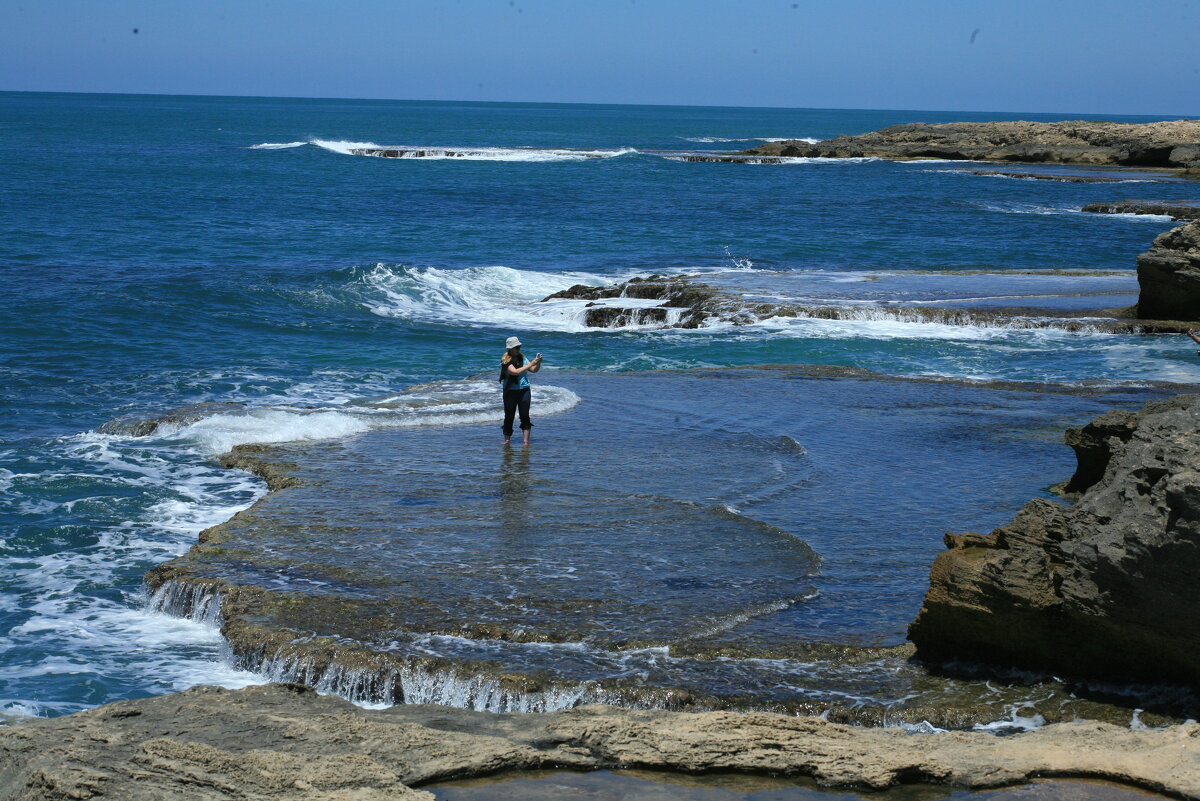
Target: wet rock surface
1103 589
285 742
1061 178
1174 144
586 572
1179 210
685 302
693 301
144 425
1169 275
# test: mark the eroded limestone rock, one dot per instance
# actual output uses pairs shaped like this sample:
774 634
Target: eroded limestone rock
285 742
1104 589
1169 275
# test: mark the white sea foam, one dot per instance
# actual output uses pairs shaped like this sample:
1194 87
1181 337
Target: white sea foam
343 146
219 433
278 145
73 621
713 139
491 296
1031 208
434 404
444 152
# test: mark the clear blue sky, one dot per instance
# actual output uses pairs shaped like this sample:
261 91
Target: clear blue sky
1085 56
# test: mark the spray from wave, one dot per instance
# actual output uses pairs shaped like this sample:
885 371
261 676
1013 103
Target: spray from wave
435 404
437 153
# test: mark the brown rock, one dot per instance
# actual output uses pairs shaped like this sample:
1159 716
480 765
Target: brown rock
285 742
1169 275
1104 589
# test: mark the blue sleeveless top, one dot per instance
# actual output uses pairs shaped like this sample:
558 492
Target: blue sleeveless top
515 382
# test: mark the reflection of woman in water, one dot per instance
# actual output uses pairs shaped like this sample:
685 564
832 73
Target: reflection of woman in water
514 377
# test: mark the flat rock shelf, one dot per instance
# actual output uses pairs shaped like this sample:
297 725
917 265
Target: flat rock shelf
656 547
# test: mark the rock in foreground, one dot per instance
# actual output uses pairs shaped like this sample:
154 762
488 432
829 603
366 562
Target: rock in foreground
1104 589
285 742
1169 275
1157 144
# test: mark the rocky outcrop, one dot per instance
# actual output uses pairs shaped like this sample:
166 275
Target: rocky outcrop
1169 275
687 303
1167 208
694 302
285 742
1064 179
1158 144
1104 589
142 425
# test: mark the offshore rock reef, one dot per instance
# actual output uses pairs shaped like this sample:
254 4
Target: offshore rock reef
1168 300
1103 589
1168 144
685 302
1174 209
284 741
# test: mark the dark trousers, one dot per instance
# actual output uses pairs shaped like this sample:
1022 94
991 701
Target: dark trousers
516 400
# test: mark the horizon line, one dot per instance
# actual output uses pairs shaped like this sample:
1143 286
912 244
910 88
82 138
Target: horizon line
1164 117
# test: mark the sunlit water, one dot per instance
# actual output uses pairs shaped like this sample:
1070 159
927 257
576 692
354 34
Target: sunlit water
157 254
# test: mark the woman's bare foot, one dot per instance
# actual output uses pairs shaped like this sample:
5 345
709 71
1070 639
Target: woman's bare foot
506 443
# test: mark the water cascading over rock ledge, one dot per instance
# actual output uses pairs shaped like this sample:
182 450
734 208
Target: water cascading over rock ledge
1105 589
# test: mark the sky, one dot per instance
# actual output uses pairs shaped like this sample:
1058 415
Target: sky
1055 56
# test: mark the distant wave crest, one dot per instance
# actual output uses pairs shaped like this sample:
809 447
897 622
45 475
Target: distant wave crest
440 152
713 139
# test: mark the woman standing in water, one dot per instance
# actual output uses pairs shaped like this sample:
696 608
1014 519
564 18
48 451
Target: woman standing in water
514 377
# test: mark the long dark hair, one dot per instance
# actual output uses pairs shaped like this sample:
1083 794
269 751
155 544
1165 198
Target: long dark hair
511 356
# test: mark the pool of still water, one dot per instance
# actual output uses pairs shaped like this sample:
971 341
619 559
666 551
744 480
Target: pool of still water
638 785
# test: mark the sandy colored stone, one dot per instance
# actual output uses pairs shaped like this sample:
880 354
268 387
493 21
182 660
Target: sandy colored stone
283 741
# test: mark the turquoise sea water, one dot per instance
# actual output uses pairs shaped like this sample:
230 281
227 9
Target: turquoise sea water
159 251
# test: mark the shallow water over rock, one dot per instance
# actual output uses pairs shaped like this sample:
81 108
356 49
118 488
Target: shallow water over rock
641 785
659 545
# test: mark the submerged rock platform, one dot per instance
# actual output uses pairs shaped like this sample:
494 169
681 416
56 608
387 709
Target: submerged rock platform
607 564
284 741
1178 210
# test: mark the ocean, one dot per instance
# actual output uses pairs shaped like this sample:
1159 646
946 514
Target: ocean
778 482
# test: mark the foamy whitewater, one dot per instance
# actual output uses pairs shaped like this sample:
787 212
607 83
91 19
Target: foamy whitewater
202 251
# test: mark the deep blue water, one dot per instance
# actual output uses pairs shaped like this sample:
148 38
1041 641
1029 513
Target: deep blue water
152 256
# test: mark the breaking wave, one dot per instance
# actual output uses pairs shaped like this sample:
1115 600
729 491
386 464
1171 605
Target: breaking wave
714 139
534 154
433 404
1030 208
